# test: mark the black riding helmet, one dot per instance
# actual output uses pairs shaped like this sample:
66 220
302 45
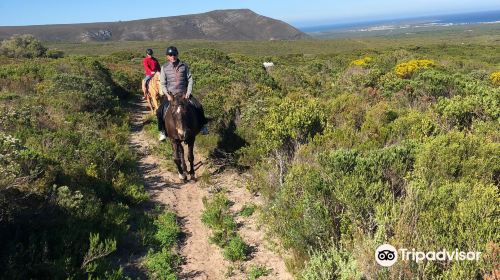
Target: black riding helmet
172 51
149 51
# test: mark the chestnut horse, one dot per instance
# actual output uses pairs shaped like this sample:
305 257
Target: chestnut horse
153 92
182 125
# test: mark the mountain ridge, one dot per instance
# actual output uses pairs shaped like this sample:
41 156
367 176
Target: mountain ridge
234 24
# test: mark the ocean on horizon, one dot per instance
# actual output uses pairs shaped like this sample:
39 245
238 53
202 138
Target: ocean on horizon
441 20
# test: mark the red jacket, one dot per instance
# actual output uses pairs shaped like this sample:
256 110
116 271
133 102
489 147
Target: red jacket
150 65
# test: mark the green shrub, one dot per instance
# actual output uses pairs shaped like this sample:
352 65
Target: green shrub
457 156
162 264
292 120
97 96
460 111
126 55
161 261
217 216
247 210
364 185
22 46
450 215
236 249
168 230
330 264
413 124
219 219
22 166
301 214
257 271
433 83
97 250
117 215
374 129
347 110
129 187
54 53
145 229
358 78
128 82
64 109
391 83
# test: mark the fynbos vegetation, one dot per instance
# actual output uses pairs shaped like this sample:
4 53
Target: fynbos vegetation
68 177
27 46
350 150
351 153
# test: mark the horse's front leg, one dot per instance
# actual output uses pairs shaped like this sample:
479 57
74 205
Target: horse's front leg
146 95
154 99
191 160
178 158
183 160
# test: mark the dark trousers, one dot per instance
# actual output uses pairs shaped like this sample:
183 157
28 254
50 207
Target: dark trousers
160 112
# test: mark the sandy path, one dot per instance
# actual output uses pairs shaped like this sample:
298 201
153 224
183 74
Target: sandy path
202 260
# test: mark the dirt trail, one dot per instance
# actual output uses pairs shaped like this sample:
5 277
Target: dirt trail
202 260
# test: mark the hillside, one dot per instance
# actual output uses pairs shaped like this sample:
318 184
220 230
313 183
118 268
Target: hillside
241 24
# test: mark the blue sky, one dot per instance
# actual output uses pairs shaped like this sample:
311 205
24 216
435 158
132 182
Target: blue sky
298 13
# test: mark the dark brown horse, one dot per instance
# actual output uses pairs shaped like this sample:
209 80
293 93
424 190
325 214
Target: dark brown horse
182 124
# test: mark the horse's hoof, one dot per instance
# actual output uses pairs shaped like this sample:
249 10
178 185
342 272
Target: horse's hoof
192 177
182 176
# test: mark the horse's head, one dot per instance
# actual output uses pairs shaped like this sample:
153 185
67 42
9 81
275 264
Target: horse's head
180 116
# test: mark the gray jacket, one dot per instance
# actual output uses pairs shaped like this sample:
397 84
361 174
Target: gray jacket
176 79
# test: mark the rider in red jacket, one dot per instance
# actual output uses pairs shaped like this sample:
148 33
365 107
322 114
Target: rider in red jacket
151 66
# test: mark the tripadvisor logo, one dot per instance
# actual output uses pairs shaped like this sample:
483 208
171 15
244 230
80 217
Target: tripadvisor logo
386 255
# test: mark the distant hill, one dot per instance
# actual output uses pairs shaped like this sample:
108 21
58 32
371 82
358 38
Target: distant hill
242 24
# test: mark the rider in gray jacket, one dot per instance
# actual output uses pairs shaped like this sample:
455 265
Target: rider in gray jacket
175 78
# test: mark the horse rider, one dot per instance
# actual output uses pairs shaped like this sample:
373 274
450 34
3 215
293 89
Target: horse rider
151 66
175 78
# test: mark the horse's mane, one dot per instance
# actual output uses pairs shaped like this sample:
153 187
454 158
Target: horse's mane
178 99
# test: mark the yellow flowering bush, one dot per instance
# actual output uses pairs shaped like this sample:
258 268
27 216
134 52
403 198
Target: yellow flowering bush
406 69
495 78
362 61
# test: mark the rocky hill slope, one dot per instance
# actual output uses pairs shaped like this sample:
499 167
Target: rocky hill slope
241 24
